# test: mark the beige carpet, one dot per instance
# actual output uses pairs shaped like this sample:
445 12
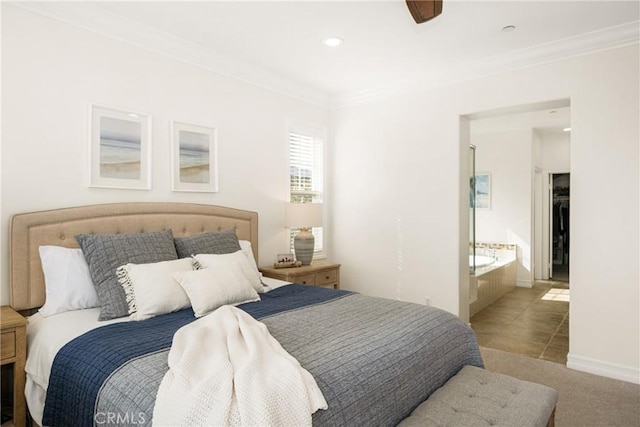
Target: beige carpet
585 400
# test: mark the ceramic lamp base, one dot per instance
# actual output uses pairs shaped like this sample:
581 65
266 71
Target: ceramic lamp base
303 244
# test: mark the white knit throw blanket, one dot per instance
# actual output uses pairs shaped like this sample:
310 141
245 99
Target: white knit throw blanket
225 369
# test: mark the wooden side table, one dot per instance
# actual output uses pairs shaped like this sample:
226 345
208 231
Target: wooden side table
318 274
13 349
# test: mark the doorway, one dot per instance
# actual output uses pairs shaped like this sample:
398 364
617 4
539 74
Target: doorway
560 229
533 319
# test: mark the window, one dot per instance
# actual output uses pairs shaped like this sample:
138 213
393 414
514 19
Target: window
306 173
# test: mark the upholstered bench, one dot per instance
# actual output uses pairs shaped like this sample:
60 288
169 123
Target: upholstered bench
477 397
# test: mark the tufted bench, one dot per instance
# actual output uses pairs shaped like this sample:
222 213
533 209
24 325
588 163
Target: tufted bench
477 397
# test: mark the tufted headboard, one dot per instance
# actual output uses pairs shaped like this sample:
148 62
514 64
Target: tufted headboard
58 227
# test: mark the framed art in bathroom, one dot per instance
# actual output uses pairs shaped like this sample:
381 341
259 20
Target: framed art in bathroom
194 158
483 190
119 149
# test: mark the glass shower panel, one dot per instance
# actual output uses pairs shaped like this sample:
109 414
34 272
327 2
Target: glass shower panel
472 209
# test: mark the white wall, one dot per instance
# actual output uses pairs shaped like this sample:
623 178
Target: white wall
507 156
2 267
397 210
52 72
556 151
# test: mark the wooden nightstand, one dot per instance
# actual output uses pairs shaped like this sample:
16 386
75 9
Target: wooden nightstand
318 274
13 349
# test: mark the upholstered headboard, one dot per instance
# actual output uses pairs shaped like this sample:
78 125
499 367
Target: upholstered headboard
58 227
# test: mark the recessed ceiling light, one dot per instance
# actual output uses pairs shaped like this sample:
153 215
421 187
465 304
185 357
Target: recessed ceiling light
332 41
566 130
508 28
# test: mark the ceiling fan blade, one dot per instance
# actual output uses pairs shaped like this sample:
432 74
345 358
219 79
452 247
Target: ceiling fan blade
424 10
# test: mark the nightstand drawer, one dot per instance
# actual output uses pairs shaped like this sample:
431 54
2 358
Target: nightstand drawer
8 344
328 277
323 274
307 279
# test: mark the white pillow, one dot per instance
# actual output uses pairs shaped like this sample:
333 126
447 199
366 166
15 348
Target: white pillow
214 287
245 245
239 257
151 289
67 281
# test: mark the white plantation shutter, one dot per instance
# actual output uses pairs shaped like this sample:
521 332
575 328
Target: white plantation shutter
306 174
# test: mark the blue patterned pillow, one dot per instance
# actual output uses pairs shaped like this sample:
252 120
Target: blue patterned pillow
222 242
106 252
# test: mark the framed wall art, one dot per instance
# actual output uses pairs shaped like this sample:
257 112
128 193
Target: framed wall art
483 190
119 149
194 158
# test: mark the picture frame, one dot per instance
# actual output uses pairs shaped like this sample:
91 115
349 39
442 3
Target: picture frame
285 258
194 158
119 149
482 196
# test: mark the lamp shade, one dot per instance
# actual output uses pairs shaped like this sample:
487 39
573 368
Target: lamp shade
303 215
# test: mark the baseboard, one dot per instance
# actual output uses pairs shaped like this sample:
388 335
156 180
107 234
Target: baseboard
524 283
604 369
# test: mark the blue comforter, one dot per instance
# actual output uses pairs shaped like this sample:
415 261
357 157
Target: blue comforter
374 359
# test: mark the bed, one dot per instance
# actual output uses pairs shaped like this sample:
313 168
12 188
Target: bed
374 360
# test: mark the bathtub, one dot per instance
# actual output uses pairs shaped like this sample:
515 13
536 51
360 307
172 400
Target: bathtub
492 277
481 261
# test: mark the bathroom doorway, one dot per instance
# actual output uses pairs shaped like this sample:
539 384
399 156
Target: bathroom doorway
560 229
533 318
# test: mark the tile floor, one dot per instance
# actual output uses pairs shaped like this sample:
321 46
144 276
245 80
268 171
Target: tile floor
523 322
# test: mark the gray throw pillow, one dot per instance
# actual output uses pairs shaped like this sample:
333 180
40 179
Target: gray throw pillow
222 242
106 252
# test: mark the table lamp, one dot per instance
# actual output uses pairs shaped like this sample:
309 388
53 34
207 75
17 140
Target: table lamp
305 216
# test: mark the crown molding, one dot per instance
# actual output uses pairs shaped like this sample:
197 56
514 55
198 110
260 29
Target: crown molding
615 37
106 23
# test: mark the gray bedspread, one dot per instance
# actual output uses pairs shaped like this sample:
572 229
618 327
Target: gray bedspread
374 359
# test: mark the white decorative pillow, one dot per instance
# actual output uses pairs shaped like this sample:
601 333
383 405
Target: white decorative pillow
245 245
68 284
214 287
151 289
239 257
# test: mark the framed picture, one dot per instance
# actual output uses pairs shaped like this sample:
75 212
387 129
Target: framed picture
285 258
482 195
194 158
119 149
